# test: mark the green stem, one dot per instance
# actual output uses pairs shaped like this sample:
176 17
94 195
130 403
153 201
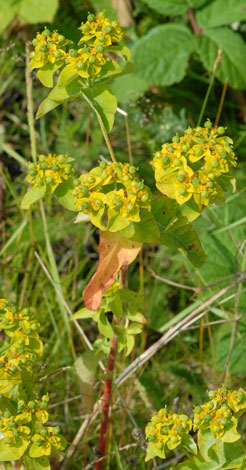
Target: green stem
104 132
216 63
30 113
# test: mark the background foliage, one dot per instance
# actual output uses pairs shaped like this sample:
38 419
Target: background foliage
175 58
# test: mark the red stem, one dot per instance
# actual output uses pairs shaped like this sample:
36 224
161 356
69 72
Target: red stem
194 24
106 401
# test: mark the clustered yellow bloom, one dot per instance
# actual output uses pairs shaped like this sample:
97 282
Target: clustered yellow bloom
166 430
50 170
115 188
24 347
217 414
50 47
17 429
98 35
196 165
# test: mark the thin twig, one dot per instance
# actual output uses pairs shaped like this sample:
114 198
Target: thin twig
235 329
55 372
171 333
195 289
30 114
194 24
121 449
216 63
222 99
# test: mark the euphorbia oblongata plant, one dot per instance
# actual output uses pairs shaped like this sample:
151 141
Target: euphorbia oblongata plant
190 173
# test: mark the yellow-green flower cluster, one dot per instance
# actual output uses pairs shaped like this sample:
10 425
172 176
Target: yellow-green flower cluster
113 188
218 413
51 170
24 346
26 428
166 431
195 165
98 34
49 47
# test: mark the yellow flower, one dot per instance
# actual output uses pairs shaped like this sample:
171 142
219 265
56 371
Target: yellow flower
51 170
87 62
191 166
49 47
99 30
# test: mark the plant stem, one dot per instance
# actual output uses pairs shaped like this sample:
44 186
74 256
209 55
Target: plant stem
106 400
222 99
104 132
216 63
30 113
194 24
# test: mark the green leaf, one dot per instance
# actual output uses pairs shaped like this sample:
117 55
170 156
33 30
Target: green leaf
64 194
185 239
114 304
189 444
233 49
128 88
86 366
168 7
167 215
145 231
162 55
36 11
104 326
33 194
83 313
8 10
58 95
15 452
42 463
205 441
67 74
46 73
129 339
104 101
134 329
46 106
221 12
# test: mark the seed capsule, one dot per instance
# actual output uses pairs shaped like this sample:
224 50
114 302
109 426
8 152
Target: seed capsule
73 53
35 42
43 48
46 33
108 29
39 442
85 28
223 154
92 59
91 17
215 164
177 162
204 194
118 203
166 160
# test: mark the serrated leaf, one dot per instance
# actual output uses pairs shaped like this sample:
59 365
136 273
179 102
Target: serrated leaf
42 463
104 326
221 12
33 194
115 251
162 55
168 7
7 12
231 66
86 366
46 73
36 11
